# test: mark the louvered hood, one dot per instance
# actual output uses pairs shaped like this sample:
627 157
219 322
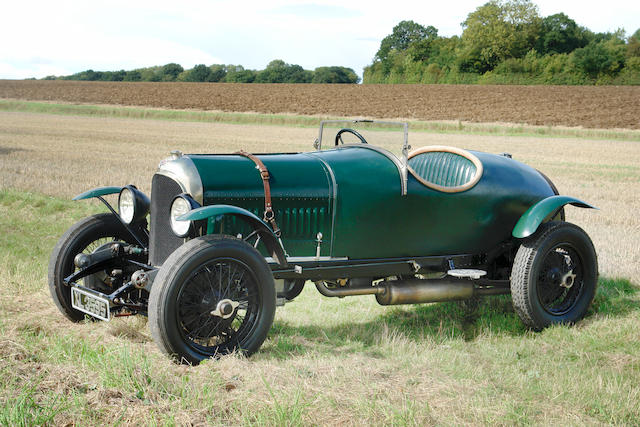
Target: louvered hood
301 191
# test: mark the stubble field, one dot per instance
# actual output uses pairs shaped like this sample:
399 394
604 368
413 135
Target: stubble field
584 106
326 361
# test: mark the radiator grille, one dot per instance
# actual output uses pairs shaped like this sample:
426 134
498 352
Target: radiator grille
162 241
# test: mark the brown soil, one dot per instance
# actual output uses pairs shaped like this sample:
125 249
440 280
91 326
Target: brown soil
586 106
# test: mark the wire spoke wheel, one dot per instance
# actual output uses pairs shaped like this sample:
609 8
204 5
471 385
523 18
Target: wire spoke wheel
227 281
560 281
214 295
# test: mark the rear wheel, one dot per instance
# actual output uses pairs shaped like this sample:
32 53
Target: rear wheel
213 295
554 276
293 288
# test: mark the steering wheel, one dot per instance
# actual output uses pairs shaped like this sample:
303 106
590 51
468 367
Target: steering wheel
348 130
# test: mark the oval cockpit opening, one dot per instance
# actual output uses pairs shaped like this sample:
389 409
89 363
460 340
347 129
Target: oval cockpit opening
446 169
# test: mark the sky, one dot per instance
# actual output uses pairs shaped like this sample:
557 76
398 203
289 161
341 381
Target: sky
41 38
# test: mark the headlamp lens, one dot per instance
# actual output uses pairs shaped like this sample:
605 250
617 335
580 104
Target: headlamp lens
126 205
180 206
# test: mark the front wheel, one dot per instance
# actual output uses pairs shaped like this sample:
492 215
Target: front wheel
554 276
86 236
213 295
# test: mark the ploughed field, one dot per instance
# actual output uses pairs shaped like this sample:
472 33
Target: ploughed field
585 106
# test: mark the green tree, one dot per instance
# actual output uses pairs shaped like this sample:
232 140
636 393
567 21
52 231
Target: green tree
633 45
237 74
88 75
444 52
218 72
402 36
114 76
560 34
278 71
133 76
151 74
499 30
199 73
170 72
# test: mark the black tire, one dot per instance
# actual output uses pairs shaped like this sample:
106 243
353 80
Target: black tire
554 276
193 283
83 237
293 288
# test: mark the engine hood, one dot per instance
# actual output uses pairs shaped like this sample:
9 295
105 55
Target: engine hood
292 176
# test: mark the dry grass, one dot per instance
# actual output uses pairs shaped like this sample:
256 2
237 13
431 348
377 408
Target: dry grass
326 361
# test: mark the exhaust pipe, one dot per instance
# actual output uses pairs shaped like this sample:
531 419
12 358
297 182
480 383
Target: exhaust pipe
417 291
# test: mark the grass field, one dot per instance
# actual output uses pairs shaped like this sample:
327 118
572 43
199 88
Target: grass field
326 361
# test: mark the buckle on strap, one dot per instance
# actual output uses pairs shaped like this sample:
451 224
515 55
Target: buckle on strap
268 214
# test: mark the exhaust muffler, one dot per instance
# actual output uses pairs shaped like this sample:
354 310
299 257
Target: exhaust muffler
417 291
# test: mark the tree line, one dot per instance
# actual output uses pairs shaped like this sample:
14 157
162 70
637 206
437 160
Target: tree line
277 71
507 42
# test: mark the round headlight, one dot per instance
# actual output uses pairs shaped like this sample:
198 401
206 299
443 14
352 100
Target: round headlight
133 205
126 205
180 206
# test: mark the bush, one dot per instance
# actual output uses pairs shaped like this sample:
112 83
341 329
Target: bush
604 57
334 75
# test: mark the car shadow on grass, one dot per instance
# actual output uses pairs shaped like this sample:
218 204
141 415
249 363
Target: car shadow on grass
439 323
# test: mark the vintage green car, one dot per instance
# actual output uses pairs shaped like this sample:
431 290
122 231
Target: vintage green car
225 238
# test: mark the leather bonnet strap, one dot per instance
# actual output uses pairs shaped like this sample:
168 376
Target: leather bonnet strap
269 215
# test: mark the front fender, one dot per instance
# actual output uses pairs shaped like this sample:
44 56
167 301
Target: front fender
138 229
97 192
533 217
266 234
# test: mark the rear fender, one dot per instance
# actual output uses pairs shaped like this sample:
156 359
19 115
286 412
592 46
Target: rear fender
270 240
536 214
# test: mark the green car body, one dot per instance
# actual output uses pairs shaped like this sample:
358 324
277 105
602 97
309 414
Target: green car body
353 195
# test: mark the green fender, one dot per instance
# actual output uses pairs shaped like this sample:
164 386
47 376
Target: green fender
266 234
97 192
533 217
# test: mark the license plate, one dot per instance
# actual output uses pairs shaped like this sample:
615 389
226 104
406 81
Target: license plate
91 304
